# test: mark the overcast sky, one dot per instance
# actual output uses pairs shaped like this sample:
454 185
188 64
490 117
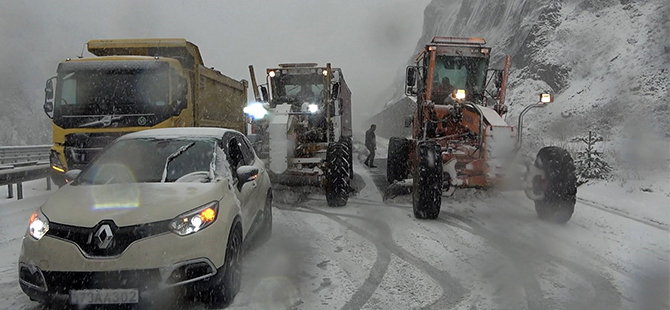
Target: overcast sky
371 40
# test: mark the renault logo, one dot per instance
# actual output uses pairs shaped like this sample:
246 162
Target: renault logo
103 237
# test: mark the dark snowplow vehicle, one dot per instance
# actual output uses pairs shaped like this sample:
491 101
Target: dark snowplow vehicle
301 127
460 139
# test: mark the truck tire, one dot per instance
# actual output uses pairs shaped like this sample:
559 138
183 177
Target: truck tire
397 164
559 185
427 193
338 175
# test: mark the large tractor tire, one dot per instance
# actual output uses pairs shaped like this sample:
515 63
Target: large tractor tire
397 164
427 194
338 174
350 145
558 186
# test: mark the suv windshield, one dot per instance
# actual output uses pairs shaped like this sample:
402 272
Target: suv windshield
115 165
126 90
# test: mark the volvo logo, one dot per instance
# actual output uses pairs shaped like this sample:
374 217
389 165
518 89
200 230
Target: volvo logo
103 237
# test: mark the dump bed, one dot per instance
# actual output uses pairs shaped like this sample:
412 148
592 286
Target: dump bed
219 100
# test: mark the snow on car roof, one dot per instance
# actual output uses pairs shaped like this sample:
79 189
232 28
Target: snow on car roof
193 132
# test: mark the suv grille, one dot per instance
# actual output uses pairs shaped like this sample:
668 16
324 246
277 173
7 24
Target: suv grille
106 239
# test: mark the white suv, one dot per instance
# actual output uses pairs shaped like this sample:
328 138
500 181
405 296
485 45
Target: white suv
164 210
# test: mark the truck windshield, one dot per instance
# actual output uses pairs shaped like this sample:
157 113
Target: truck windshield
123 95
300 88
467 73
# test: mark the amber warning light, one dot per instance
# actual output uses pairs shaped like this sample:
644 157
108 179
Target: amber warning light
546 98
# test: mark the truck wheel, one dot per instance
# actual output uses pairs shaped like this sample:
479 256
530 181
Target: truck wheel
397 164
427 194
223 294
337 174
559 185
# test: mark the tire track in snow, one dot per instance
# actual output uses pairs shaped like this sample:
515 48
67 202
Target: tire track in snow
608 295
453 291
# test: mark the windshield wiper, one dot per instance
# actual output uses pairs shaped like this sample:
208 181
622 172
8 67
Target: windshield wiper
172 157
105 121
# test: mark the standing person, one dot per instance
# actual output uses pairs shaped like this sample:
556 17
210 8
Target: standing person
371 144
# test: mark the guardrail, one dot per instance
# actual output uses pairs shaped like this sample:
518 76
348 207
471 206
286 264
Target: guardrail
19 164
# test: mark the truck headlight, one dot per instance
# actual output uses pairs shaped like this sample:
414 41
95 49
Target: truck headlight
38 225
196 219
256 110
55 162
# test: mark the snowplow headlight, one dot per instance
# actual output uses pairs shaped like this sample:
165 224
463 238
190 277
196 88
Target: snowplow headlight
313 108
256 110
38 225
460 94
546 98
272 74
325 72
196 219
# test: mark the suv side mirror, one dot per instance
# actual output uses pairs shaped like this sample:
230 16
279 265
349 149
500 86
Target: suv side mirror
246 174
49 97
264 94
72 174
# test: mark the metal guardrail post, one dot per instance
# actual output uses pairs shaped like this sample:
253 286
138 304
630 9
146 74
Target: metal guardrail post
19 191
48 183
10 191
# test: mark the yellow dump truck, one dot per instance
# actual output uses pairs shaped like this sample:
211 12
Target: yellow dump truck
132 85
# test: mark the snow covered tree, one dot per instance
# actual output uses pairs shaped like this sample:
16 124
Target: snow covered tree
589 162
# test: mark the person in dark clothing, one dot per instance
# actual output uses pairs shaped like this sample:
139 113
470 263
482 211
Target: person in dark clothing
371 144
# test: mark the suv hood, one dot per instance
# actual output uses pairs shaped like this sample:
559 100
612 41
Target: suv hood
128 204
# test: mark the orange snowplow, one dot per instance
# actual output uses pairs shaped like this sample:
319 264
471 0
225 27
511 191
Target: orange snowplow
460 138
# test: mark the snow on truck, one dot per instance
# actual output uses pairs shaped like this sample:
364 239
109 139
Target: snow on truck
132 85
302 127
460 138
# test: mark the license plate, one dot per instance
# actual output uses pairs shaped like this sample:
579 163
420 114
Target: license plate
104 297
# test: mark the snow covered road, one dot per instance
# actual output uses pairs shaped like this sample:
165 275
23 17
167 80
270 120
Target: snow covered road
487 250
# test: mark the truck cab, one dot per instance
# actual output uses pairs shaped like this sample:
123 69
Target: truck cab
132 85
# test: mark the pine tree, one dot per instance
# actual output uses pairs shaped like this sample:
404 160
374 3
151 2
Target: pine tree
589 163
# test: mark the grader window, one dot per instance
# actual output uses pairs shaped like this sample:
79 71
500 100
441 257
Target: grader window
467 73
303 88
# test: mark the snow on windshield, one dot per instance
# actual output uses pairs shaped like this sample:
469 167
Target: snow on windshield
148 161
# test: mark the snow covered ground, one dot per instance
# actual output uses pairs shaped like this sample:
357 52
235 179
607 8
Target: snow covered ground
487 250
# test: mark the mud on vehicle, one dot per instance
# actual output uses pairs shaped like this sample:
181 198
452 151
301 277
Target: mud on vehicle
301 127
461 140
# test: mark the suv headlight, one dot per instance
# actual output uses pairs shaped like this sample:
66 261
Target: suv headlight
38 225
196 219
